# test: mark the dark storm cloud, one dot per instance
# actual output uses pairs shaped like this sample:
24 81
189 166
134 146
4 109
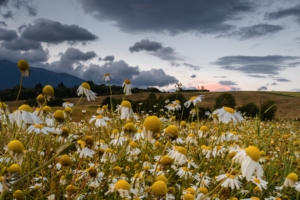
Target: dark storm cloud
32 56
256 64
194 67
8 15
22 28
21 44
170 16
45 30
193 76
253 31
262 88
166 53
257 76
2 23
120 70
282 80
145 45
7 35
19 5
227 83
70 61
235 89
153 77
3 2
286 12
109 58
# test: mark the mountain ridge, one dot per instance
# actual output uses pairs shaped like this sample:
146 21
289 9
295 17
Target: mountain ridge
11 77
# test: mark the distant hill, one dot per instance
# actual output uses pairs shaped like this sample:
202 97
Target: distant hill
10 77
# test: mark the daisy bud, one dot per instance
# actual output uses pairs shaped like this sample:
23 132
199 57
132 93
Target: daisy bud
171 190
25 107
166 160
89 141
15 146
18 194
182 124
40 99
204 129
188 197
65 132
129 127
203 190
159 188
59 116
171 132
65 160
24 67
15 168
48 92
161 178
122 184
117 169
47 109
72 188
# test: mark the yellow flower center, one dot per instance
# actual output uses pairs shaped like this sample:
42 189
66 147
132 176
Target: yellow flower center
185 169
117 169
133 144
59 114
129 127
191 190
293 177
23 65
253 152
68 110
188 197
203 190
254 198
228 109
38 126
256 180
166 160
48 90
65 160
99 117
153 124
16 146
159 188
106 74
204 129
86 85
181 150
173 130
71 188
127 81
192 98
15 168
126 104
18 194
47 108
161 178
25 107
109 150
122 184
182 123
230 176
191 135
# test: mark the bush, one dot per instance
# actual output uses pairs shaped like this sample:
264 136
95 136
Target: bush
250 109
267 110
225 99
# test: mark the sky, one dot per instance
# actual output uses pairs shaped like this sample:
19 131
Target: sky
232 45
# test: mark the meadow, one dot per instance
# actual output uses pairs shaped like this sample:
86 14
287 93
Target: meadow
65 153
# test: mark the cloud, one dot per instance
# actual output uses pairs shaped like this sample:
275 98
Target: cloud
109 58
282 80
235 89
257 76
22 28
45 30
21 44
286 12
274 83
193 76
145 45
227 83
18 5
272 64
32 56
220 76
254 31
166 53
170 17
7 35
194 67
3 23
262 88
70 61
154 77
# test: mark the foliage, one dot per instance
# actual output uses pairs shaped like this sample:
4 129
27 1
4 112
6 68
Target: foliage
267 110
225 99
250 109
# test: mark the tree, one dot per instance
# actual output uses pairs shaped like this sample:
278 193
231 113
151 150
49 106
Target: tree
267 110
250 109
225 99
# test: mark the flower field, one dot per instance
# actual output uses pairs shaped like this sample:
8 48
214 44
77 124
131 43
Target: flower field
118 154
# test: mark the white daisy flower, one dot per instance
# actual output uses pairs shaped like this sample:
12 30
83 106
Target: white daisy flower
86 152
38 128
107 77
194 99
124 110
184 172
127 87
259 182
24 116
67 104
226 114
230 181
85 88
99 120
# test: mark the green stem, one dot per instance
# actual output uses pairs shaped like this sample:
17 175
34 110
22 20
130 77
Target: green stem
77 103
19 91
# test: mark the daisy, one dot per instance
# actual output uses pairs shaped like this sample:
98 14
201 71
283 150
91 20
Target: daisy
108 156
290 180
259 182
85 88
229 180
24 116
67 104
99 120
194 100
248 158
38 128
125 110
184 172
127 87
86 152
226 114
178 154
107 77
24 67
